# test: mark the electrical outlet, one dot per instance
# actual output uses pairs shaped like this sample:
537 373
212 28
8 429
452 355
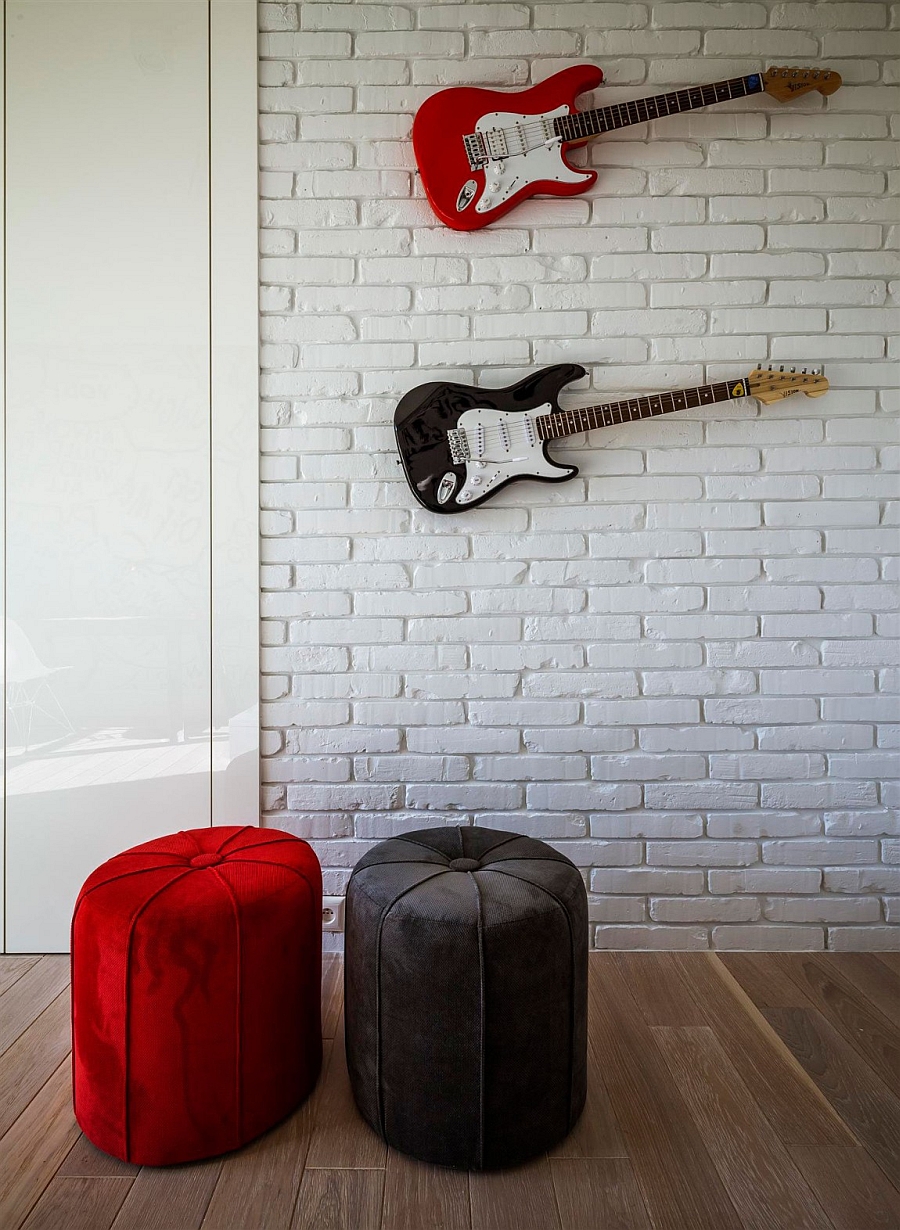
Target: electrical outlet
332 913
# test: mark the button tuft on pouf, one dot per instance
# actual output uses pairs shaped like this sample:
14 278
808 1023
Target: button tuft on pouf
466 995
196 992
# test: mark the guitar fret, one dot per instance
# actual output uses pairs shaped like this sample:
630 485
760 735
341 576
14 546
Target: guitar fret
637 111
585 418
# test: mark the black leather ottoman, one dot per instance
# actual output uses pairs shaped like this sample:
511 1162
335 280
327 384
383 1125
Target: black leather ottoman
466 995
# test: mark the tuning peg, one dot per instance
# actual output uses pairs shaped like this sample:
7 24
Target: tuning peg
781 369
793 369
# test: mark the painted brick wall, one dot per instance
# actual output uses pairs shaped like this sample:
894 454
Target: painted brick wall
681 668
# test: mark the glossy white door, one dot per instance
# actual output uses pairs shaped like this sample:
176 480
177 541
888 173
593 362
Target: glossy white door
112 671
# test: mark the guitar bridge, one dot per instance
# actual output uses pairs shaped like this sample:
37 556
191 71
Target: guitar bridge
475 151
459 447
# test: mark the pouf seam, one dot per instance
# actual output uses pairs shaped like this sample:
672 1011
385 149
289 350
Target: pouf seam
86 892
396 862
480 933
378 1057
126 1029
419 845
259 862
237 1001
565 914
538 859
261 845
375 901
245 828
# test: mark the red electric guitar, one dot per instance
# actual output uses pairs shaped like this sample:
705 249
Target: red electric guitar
478 159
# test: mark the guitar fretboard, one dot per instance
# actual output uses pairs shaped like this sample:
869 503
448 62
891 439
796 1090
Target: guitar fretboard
586 418
583 124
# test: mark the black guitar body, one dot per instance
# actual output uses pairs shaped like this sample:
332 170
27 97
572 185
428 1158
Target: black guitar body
426 414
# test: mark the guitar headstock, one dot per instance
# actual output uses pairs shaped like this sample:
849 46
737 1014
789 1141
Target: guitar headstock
769 384
785 83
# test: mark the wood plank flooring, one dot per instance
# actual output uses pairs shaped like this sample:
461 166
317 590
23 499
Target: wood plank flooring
726 1092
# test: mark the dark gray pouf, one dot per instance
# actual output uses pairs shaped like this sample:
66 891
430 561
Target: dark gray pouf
466 995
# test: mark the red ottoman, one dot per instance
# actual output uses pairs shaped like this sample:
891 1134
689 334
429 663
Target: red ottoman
196 992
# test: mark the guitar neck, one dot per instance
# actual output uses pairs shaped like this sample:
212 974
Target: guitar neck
582 124
573 422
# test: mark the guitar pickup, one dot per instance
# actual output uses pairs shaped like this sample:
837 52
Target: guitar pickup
475 151
459 446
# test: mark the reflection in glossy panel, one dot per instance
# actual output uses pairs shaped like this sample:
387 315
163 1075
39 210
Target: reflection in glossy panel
108 442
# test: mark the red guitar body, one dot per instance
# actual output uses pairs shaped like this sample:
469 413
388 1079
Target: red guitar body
454 129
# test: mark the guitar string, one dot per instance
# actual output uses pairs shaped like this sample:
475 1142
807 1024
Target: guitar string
535 127
516 433
522 434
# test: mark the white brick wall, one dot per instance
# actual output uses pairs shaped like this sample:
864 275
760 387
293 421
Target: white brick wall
681 667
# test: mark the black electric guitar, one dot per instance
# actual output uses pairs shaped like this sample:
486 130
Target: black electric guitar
460 445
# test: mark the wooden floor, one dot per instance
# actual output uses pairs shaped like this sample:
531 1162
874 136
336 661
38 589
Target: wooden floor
725 1091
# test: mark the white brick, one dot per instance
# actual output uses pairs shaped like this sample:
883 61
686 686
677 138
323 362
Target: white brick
769 938
583 683
467 739
412 44
641 712
791 265
861 939
606 854
581 796
296 46
646 880
764 154
703 683
635 767
750 710
761 653
856 16
522 768
819 794
863 880
822 909
521 43
704 909
590 15
578 739
709 239
763 824
617 909
544 826
825 236
826 852
820 737
473 16
729 16
650 937
702 795
646 824
462 796
695 739
700 627
499 72
766 880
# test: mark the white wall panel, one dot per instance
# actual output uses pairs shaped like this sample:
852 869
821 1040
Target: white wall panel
109 437
235 419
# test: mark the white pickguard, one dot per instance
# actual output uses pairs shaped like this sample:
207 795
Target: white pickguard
503 445
521 165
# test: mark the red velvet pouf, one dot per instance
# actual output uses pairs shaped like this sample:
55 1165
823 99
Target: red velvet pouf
196 992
